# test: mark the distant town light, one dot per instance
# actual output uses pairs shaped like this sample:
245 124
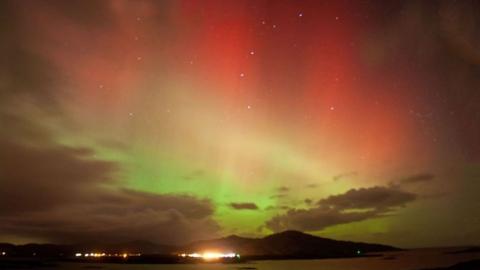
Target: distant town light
103 254
210 255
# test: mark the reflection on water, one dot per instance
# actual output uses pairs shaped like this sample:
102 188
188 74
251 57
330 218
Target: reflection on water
404 260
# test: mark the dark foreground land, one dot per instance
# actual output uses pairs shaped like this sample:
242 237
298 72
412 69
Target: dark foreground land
16 263
470 265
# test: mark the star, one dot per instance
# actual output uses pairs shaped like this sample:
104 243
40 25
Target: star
300 14
130 114
252 52
249 107
332 108
242 75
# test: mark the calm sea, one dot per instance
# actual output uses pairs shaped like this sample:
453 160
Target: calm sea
405 260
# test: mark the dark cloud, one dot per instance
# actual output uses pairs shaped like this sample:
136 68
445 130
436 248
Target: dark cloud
122 217
51 192
243 206
373 197
43 177
351 206
315 219
417 178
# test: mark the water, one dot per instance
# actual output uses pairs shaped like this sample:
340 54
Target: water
404 260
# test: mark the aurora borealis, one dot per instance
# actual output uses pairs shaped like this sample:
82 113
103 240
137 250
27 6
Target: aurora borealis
175 121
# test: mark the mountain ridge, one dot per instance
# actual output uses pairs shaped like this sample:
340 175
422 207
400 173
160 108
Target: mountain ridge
286 244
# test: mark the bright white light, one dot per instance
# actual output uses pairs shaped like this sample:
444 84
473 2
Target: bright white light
194 255
210 255
91 254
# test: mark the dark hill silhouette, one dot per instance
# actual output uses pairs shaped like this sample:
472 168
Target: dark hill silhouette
291 244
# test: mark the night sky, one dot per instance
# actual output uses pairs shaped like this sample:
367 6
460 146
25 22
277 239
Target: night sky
173 121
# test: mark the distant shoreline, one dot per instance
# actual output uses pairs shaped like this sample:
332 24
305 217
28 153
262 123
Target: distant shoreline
164 259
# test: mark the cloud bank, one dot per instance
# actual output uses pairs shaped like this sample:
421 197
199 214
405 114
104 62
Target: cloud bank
351 206
61 194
